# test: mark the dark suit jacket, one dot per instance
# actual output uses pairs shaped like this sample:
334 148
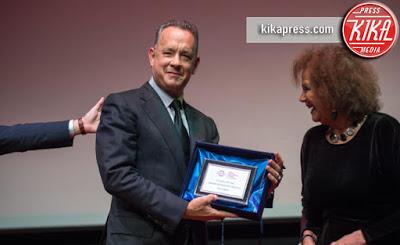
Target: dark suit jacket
142 166
33 136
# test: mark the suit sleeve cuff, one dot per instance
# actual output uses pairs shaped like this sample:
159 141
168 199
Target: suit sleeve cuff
180 212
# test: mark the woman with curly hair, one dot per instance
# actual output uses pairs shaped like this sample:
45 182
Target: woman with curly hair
350 163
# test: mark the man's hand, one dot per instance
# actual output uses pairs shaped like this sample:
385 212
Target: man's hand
200 209
275 172
91 119
355 238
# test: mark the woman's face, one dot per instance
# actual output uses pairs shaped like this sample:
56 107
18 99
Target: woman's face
312 99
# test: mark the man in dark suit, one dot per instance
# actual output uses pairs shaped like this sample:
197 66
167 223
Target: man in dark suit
142 147
33 136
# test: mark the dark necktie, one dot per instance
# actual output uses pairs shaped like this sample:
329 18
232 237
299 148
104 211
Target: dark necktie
180 128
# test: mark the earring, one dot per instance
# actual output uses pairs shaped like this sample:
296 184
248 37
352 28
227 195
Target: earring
334 114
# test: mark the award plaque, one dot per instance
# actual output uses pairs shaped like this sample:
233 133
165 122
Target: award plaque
230 181
237 176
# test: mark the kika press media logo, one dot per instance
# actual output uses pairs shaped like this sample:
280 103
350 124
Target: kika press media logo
370 29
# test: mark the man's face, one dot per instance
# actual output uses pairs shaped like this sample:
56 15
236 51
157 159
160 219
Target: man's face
312 99
173 60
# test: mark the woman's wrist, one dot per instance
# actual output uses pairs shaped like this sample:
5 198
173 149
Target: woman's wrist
308 235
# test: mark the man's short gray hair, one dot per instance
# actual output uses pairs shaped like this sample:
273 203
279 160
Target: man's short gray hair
184 25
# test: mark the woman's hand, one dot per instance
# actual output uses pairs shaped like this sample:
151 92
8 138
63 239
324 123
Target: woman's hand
355 238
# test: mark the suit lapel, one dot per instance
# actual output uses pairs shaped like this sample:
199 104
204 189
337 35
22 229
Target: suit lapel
155 109
193 122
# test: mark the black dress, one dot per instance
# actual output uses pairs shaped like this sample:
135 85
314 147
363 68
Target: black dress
355 185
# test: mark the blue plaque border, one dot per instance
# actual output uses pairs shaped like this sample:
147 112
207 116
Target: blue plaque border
257 197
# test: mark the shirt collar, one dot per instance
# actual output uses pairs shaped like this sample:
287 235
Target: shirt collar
165 98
